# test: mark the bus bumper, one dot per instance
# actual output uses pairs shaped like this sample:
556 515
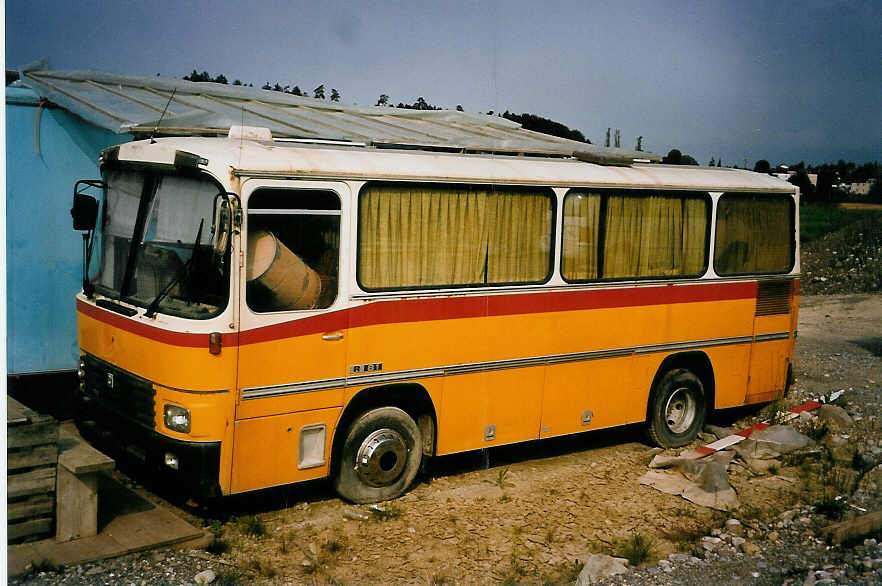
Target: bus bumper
192 468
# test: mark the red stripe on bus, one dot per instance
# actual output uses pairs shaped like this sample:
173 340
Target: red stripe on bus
417 310
610 298
187 340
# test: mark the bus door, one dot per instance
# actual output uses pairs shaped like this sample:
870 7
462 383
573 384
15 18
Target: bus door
293 340
769 356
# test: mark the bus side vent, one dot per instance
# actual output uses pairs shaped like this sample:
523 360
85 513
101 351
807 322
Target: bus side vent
773 298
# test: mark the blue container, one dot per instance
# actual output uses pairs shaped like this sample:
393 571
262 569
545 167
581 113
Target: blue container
47 150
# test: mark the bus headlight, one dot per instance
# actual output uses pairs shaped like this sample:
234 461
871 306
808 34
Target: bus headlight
177 418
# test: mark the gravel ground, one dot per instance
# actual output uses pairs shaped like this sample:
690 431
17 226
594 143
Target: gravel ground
839 347
842 350
846 261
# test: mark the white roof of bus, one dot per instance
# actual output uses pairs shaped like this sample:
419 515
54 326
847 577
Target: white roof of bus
273 159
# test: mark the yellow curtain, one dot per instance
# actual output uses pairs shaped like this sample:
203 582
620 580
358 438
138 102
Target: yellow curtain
694 235
581 224
654 236
753 235
426 235
519 237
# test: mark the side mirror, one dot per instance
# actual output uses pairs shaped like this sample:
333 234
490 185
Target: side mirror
84 212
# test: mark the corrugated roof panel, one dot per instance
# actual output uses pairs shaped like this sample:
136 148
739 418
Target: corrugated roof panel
128 103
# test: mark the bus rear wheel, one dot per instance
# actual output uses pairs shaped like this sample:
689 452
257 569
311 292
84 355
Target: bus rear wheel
380 456
677 410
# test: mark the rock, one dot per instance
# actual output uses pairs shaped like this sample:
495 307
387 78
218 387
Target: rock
95 571
750 548
599 566
772 536
788 515
734 527
835 416
771 442
206 577
355 515
841 450
738 541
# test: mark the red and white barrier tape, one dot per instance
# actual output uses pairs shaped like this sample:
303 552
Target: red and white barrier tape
742 435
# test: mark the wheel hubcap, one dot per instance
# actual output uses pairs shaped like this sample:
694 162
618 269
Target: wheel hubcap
680 411
381 457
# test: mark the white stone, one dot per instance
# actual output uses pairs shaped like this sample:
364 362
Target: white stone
206 577
599 566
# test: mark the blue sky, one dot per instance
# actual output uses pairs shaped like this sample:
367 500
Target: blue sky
784 81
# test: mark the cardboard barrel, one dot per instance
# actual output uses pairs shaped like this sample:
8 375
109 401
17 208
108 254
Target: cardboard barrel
270 263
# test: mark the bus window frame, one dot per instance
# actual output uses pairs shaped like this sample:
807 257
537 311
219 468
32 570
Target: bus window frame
789 197
605 192
289 212
552 236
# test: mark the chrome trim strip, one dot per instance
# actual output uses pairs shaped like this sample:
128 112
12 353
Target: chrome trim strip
473 367
291 389
691 345
770 337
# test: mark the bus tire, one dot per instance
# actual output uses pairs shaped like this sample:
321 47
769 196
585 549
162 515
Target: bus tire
380 456
677 410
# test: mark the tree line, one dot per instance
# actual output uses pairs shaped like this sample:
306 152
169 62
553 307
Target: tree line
528 121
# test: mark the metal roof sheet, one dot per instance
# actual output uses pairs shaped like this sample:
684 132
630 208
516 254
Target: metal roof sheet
130 104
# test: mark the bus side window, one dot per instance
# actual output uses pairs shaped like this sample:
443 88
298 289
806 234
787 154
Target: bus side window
292 250
754 234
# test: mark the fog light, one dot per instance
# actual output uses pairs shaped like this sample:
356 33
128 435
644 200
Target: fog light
177 418
171 460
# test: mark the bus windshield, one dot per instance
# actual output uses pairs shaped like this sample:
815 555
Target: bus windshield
163 243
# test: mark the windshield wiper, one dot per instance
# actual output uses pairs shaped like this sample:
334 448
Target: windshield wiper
182 274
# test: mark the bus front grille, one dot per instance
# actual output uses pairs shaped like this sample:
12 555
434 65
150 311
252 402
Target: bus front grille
120 391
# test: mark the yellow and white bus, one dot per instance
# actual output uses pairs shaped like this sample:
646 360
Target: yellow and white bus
259 313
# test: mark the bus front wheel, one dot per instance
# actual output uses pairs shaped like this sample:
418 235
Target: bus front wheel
677 410
380 456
